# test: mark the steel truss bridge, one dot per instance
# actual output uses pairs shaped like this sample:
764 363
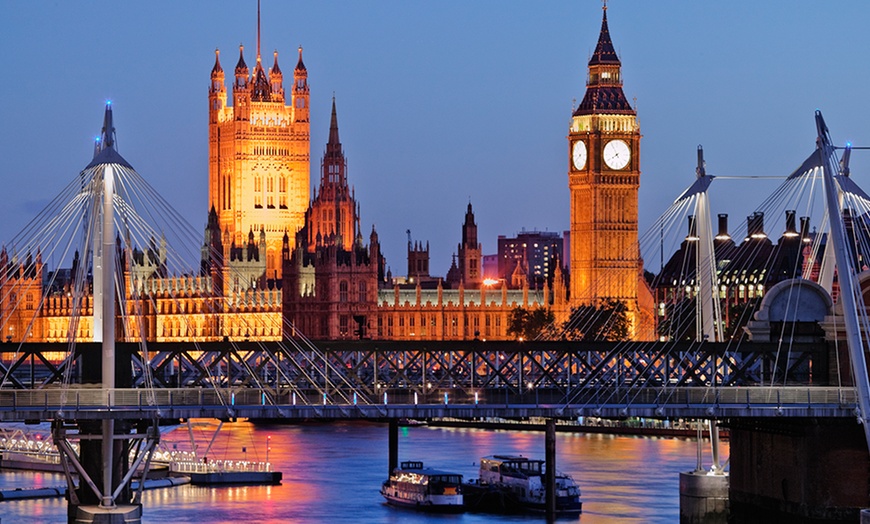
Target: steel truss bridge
364 379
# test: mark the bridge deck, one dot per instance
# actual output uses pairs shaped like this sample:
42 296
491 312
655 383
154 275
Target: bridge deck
732 402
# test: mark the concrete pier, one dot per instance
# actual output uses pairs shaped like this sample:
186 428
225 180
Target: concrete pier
703 498
97 515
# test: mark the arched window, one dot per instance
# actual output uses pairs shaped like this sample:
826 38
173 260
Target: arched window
342 291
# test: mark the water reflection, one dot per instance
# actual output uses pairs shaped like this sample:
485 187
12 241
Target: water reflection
332 473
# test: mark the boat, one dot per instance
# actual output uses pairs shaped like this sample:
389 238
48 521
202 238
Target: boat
424 489
513 483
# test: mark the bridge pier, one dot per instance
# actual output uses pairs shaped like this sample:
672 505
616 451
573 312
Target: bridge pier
120 514
550 473
393 446
704 494
703 498
798 470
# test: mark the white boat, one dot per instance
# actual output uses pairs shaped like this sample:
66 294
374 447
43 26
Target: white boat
509 482
424 489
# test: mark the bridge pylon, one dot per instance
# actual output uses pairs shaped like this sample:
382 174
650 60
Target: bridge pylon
99 450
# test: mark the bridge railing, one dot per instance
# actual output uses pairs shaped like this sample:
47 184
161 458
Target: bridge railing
145 400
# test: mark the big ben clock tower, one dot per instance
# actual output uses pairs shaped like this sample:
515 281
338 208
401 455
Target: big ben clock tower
604 177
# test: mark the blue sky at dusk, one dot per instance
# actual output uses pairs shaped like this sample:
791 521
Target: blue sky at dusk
438 102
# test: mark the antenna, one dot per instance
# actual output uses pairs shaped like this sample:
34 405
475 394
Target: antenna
258 30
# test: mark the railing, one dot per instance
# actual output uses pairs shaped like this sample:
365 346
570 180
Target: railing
220 466
51 458
142 400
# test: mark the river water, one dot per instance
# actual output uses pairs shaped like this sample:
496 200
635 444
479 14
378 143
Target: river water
333 471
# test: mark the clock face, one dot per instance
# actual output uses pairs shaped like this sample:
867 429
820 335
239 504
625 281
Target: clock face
616 154
578 154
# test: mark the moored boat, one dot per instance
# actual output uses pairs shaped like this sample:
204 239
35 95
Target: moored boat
510 483
424 489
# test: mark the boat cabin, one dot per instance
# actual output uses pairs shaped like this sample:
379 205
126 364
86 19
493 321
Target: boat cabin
491 468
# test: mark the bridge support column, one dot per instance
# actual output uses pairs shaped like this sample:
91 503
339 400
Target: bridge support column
799 470
704 494
550 473
703 498
119 514
394 445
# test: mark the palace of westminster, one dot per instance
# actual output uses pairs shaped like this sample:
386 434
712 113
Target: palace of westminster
285 261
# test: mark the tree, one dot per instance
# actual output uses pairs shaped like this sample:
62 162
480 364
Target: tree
606 321
527 324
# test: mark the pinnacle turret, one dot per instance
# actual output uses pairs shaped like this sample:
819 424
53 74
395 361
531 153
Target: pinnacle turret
333 128
217 63
300 65
275 69
241 66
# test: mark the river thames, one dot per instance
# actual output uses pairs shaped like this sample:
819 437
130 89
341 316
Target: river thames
333 471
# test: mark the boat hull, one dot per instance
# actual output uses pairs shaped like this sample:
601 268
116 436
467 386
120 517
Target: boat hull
414 487
430 504
490 498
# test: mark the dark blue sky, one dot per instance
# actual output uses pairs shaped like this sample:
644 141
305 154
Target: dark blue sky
438 102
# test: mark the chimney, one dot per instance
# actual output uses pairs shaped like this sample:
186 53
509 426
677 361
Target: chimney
790 228
723 227
755 226
805 229
693 230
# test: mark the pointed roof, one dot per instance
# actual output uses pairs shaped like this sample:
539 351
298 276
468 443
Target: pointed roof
262 89
604 52
275 69
241 66
334 155
469 216
217 62
300 66
604 88
333 126
604 99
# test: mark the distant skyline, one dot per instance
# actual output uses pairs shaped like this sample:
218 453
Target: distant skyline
438 104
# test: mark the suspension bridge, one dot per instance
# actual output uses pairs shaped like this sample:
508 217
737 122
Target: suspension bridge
798 353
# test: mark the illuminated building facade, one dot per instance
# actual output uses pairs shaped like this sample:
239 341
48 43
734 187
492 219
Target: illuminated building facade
536 252
159 308
259 155
604 178
331 277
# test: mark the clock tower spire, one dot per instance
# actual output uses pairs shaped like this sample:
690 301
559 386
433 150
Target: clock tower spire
603 178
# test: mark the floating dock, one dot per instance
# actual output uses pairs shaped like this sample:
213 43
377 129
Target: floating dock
60 491
239 472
